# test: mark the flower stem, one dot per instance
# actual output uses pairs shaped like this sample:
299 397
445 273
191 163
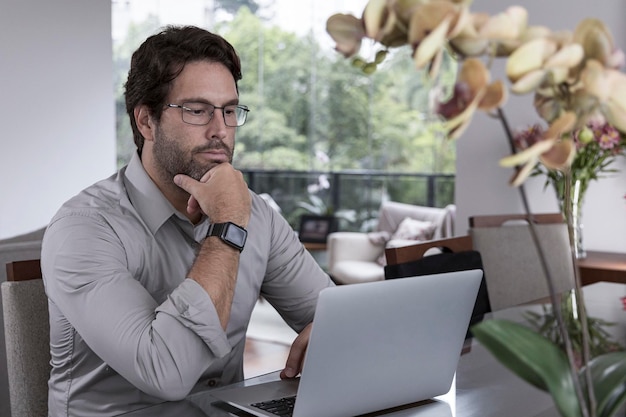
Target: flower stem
556 308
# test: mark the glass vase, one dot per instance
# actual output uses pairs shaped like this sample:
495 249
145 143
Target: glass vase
576 200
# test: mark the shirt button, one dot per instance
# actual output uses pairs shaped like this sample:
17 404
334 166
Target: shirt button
211 382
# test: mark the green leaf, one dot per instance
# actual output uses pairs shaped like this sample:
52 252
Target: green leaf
533 358
608 373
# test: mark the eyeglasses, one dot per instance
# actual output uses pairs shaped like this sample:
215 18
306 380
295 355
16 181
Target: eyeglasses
200 114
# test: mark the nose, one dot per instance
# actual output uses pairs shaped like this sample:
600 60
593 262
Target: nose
217 124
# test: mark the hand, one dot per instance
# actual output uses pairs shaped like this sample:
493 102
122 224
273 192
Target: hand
193 207
295 360
222 194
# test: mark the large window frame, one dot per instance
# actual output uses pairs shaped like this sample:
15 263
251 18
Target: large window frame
311 111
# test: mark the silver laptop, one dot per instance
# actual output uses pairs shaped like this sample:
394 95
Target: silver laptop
375 346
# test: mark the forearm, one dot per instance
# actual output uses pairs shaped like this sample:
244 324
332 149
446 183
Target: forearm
215 269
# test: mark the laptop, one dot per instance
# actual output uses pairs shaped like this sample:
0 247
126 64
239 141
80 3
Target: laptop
374 346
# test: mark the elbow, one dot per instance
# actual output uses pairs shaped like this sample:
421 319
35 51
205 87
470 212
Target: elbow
173 392
177 395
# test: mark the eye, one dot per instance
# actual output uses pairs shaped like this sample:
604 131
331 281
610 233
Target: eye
198 109
230 110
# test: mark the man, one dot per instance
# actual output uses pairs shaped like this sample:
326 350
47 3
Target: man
150 277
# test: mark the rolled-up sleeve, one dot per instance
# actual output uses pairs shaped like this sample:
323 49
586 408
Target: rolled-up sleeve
189 305
161 349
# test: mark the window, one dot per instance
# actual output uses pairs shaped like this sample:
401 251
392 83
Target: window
310 109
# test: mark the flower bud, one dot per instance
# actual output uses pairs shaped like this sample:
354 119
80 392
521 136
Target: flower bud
585 135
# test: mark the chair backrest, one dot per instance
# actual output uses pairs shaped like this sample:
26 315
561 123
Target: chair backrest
16 248
27 336
511 260
437 256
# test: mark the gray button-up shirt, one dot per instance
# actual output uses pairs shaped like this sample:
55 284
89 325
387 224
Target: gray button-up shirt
127 329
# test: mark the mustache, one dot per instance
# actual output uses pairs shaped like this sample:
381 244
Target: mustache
214 145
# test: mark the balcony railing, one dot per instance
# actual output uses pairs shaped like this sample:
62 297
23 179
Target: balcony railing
359 192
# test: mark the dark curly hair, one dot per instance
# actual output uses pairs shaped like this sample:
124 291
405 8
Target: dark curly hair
162 57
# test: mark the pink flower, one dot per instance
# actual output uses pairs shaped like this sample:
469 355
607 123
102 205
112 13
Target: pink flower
526 138
607 137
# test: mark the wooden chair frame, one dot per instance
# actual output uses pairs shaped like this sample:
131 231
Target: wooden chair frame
24 270
414 252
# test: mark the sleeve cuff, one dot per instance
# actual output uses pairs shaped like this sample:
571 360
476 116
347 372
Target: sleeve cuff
190 305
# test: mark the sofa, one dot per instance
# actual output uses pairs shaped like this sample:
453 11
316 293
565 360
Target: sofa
17 248
355 257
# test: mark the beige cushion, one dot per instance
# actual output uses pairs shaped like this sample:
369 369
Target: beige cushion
354 272
412 229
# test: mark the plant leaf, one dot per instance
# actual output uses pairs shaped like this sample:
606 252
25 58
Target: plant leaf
608 373
533 358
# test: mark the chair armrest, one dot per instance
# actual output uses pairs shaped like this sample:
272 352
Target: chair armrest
351 246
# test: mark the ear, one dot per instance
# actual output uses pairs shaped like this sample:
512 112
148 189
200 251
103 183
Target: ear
144 121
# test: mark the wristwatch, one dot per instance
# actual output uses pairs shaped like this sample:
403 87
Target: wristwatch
230 233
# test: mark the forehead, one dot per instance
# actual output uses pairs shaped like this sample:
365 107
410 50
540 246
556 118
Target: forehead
204 80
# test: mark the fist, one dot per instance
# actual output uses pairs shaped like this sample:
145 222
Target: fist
222 194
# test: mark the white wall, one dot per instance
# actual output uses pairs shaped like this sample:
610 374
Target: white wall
56 106
481 185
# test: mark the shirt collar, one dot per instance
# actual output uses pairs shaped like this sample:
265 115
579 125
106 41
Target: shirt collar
145 196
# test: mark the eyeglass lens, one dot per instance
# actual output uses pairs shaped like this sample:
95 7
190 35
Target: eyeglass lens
201 113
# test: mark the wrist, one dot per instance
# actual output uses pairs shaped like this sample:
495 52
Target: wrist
229 233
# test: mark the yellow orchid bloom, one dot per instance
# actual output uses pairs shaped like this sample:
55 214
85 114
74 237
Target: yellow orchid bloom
481 94
609 87
347 31
596 40
553 151
431 25
543 61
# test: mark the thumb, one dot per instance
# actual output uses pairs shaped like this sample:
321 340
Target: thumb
185 182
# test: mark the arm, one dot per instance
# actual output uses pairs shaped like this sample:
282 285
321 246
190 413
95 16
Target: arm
223 196
293 280
101 275
161 349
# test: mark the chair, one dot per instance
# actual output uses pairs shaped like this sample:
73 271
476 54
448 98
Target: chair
438 256
27 335
355 257
16 248
511 262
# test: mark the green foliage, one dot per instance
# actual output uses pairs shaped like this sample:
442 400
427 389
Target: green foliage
232 6
600 340
533 358
542 363
304 98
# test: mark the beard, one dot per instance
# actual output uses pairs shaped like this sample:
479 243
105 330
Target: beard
172 158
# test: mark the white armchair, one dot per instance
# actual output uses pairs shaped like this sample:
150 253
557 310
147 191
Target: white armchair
354 257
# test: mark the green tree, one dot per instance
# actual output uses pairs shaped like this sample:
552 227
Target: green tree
232 6
122 53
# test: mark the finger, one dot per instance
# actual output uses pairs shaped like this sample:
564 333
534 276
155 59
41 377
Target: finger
186 183
206 176
295 359
193 207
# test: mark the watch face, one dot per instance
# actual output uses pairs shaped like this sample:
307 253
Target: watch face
236 235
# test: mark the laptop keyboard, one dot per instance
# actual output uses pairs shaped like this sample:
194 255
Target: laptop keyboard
280 407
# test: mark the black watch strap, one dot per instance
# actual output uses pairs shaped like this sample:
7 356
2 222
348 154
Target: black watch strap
229 233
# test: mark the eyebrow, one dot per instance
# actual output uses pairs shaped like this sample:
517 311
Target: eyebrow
202 100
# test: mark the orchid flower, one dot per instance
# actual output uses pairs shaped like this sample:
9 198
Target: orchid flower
554 150
474 90
608 86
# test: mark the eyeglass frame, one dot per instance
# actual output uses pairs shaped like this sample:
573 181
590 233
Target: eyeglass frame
184 108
